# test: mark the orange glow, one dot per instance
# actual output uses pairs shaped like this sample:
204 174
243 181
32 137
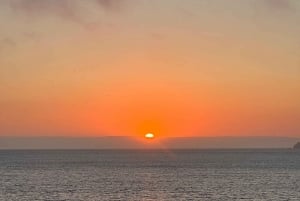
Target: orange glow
116 77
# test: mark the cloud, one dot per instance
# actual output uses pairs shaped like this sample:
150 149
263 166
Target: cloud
279 4
77 11
7 42
62 8
111 4
65 9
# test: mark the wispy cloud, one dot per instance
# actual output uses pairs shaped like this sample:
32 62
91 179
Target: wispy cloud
111 4
66 9
7 42
279 4
61 8
76 11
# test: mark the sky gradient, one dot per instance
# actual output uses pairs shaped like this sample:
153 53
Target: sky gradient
127 67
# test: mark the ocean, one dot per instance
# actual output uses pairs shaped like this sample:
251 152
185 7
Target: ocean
150 175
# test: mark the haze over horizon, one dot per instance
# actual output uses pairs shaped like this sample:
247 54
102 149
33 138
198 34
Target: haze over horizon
128 67
165 143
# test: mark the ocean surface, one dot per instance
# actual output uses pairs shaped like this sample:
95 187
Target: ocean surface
150 175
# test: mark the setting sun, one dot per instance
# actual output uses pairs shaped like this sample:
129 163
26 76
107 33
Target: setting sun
149 135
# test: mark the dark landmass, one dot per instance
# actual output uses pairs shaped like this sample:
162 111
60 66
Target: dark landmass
122 142
297 146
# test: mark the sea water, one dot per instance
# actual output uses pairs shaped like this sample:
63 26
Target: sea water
150 175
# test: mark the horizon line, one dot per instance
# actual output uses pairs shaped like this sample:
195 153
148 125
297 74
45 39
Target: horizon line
128 136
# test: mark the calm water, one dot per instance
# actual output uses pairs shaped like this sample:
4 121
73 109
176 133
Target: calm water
150 175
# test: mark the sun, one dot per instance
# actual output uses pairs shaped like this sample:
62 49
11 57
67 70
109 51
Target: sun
149 136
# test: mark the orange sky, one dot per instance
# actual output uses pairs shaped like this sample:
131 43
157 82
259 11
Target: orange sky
174 68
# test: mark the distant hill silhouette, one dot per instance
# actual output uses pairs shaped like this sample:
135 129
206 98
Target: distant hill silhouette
125 142
297 146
